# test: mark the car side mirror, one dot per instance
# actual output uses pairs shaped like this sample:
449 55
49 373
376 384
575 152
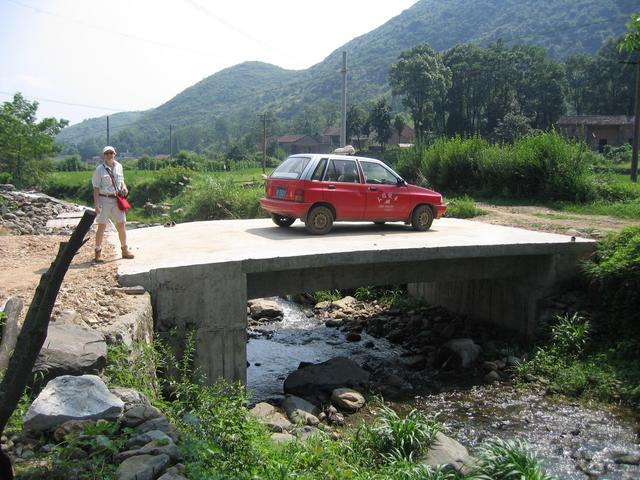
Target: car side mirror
401 182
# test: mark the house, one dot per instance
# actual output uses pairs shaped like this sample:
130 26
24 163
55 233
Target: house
292 144
598 130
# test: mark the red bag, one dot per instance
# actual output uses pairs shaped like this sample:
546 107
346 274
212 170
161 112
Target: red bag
123 203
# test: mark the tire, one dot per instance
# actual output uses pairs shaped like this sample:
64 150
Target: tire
422 218
319 221
282 220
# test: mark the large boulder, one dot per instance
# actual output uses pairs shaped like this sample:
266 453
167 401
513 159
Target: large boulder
72 398
261 308
458 353
71 350
316 382
447 453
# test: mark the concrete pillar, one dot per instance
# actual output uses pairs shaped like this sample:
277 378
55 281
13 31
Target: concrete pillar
210 300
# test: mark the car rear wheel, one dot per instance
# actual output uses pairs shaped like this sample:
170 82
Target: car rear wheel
282 220
422 218
319 221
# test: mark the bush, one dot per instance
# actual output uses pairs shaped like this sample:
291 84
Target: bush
506 460
463 207
615 272
395 438
211 199
168 182
543 167
621 154
5 177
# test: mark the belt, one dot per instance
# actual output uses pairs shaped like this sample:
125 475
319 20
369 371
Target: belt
108 195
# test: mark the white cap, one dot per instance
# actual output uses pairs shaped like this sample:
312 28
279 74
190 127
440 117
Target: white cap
108 148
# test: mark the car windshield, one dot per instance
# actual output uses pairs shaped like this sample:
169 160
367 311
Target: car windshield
291 168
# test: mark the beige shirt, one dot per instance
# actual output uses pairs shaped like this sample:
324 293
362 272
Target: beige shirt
102 180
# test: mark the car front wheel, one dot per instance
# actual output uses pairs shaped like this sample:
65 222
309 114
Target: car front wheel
319 221
422 218
282 220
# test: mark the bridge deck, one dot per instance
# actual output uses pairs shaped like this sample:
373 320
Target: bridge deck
251 241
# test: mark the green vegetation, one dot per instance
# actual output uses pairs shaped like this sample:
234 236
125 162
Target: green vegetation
463 207
606 368
25 143
510 460
394 438
221 440
542 167
615 272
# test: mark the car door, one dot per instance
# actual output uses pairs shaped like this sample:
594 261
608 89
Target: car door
386 199
343 188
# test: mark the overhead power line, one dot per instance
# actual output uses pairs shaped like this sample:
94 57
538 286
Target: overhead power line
41 99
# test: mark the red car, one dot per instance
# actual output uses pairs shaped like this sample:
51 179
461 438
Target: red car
322 188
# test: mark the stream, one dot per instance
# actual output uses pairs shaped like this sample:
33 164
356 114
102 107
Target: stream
572 440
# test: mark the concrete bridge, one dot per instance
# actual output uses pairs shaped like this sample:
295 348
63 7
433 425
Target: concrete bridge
201 274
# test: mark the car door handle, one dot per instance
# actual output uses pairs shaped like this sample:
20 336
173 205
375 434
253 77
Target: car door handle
373 189
331 187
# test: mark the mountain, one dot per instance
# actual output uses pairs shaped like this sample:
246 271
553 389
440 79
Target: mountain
89 128
237 94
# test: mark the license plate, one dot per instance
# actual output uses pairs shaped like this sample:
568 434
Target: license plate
281 191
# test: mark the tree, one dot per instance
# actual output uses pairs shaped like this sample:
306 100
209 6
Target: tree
25 143
380 121
356 120
399 121
512 127
422 79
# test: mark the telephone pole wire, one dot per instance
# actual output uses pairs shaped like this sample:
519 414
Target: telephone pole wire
343 123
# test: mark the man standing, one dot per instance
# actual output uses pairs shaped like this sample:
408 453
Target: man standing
108 180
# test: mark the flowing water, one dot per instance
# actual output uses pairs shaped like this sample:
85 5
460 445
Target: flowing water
572 440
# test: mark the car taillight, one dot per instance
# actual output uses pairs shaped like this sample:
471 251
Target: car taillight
299 195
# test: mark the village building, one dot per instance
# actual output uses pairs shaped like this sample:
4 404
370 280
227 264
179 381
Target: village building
598 130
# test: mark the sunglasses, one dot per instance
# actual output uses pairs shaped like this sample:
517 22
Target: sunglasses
109 153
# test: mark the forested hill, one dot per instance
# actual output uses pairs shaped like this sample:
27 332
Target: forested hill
226 103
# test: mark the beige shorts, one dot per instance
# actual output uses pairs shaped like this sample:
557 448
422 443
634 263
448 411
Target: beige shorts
109 210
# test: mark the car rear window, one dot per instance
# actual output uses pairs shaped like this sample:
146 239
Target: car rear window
291 168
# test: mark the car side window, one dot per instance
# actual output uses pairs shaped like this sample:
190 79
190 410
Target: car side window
342 171
319 171
376 174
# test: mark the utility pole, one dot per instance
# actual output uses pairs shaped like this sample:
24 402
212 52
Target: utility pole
108 142
343 122
636 127
170 141
263 117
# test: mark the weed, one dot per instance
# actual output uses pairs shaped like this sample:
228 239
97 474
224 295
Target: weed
463 207
327 295
394 438
510 460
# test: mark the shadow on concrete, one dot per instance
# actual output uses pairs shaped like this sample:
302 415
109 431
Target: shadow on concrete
297 230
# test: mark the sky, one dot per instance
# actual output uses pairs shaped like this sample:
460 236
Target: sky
127 55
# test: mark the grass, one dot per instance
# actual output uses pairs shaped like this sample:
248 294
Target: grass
578 364
463 207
